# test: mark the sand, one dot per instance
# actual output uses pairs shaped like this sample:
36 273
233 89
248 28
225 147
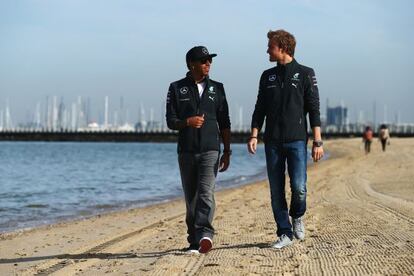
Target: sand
360 220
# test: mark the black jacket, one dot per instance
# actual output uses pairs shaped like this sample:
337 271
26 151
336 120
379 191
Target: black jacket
287 93
183 101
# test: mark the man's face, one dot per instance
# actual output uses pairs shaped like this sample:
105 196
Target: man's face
275 53
202 67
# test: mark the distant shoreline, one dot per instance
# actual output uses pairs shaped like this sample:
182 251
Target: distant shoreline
134 136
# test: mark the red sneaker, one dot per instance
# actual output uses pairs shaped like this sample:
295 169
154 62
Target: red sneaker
205 245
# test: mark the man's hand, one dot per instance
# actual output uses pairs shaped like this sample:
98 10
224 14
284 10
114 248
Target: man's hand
317 153
252 145
195 121
224 161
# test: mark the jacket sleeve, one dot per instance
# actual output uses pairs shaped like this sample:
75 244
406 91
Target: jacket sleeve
260 107
173 122
222 114
312 99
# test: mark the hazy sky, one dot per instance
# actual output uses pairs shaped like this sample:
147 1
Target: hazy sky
361 50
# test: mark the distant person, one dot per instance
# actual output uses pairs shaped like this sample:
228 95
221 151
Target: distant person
367 138
288 92
384 136
198 109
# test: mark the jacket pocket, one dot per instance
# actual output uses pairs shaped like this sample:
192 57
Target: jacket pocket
210 135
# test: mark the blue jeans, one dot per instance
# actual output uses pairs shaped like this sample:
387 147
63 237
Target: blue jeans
294 154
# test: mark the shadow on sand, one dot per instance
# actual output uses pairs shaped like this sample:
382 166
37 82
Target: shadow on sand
106 256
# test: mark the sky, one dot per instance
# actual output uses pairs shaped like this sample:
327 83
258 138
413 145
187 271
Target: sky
360 51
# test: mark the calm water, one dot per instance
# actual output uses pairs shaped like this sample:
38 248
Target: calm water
43 183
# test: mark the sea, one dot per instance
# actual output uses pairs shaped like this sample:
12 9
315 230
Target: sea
48 182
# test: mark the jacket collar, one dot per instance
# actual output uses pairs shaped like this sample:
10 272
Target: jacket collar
192 83
288 65
189 76
286 68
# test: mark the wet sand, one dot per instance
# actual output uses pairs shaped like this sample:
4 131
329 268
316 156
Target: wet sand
360 220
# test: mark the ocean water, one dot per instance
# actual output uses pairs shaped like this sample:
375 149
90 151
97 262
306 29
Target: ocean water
42 183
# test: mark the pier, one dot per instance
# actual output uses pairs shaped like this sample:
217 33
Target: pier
149 136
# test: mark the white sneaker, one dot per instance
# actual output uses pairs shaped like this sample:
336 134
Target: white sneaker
192 249
282 241
205 245
299 228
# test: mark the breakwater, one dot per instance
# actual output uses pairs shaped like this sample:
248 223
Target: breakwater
136 136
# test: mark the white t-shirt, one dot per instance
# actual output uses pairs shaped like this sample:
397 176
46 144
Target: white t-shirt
201 86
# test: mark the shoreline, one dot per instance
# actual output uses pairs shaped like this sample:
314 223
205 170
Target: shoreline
133 206
118 211
66 181
226 184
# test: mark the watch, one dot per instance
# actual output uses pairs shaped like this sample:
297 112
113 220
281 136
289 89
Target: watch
317 143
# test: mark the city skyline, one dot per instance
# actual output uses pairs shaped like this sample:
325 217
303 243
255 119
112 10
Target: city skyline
55 113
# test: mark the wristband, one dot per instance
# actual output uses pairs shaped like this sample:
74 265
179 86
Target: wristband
253 137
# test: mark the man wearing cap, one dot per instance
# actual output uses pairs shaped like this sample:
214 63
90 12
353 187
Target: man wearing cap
197 108
288 92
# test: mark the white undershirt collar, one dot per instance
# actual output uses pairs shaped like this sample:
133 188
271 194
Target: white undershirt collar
201 86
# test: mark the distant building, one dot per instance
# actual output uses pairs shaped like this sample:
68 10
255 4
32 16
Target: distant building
337 116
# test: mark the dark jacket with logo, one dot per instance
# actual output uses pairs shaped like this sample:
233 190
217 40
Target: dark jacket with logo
287 93
183 101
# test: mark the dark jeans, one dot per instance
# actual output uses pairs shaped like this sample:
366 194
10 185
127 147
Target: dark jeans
368 146
383 144
198 176
294 154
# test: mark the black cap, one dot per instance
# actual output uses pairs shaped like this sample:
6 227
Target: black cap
198 53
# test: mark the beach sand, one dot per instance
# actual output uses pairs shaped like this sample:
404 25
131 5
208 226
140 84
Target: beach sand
360 220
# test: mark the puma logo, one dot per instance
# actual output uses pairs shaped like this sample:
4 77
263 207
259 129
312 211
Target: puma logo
211 98
295 85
